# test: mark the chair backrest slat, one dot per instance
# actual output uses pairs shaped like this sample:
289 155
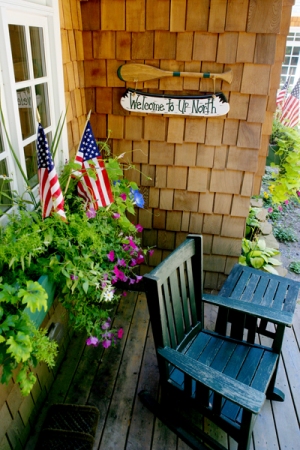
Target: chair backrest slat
171 294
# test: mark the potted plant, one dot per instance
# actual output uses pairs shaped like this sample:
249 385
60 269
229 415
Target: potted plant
86 256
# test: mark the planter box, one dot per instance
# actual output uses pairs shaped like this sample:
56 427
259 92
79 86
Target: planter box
38 316
18 413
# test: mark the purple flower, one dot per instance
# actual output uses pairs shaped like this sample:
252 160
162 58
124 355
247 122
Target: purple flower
126 247
270 210
280 208
74 277
140 258
298 193
132 243
111 255
139 228
92 340
131 280
286 202
133 262
139 278
124 293
106 324
119 274
103 284
114 280
116 215
120 333
106 343
91 213
151 251
121 262
105 276
123 196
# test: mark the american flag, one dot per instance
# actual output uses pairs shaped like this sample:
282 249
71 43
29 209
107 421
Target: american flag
290 109
96 191
50 192
282 94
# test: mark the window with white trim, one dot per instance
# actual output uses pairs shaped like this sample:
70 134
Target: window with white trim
291 65
31 87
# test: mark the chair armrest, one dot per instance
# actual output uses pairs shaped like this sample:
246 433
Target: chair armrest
235 391
263 312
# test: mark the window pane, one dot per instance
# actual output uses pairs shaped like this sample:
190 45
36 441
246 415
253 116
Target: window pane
37 50
42 102
5 191
25 111
31 164
19 52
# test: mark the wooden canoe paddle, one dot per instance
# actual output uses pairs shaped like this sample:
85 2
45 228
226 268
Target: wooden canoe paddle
143 72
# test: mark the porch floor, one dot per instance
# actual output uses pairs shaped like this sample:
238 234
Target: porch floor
111 379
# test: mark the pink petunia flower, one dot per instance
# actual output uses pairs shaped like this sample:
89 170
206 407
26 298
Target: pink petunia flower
119 274
298 193
123 196
111 255
280 208
116 215
106 343
92 340
132 243
139 228
121 262
74 277
106 324
120 333
91 213
140 258
139 278
124 294
286 202
270 210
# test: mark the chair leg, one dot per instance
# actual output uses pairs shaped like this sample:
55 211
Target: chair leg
248 420
274 393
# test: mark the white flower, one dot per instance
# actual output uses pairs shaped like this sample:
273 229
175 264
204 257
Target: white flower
108 295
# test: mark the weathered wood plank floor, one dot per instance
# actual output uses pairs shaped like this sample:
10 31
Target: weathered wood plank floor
111 379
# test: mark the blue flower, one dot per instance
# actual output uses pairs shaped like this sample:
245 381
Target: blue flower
137 198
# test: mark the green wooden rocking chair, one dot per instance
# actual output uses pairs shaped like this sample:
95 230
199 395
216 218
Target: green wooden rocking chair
226 379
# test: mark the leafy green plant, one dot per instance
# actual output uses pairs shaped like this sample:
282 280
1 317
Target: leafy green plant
252 224
286 182
295 266
20 342
285 234
256 254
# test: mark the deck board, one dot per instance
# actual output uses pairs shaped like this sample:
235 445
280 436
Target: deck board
111 379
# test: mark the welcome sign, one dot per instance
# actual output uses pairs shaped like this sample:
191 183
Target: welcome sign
210 105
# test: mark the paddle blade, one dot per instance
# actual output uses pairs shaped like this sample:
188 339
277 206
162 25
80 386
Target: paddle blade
141 72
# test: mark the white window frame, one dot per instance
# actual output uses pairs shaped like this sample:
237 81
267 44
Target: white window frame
34 13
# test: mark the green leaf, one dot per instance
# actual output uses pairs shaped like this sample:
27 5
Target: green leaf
20 347
26 380
270 269
257 262
35 296
2 339
85 286
275 262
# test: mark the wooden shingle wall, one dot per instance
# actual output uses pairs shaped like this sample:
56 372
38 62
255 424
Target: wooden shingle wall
201 171
73 66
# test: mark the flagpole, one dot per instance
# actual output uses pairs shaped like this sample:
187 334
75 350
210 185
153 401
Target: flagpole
87 119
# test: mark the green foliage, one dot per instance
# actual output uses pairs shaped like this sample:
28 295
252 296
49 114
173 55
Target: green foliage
295 266
284 234
252 224
20 342
287 176
86 256
256 254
